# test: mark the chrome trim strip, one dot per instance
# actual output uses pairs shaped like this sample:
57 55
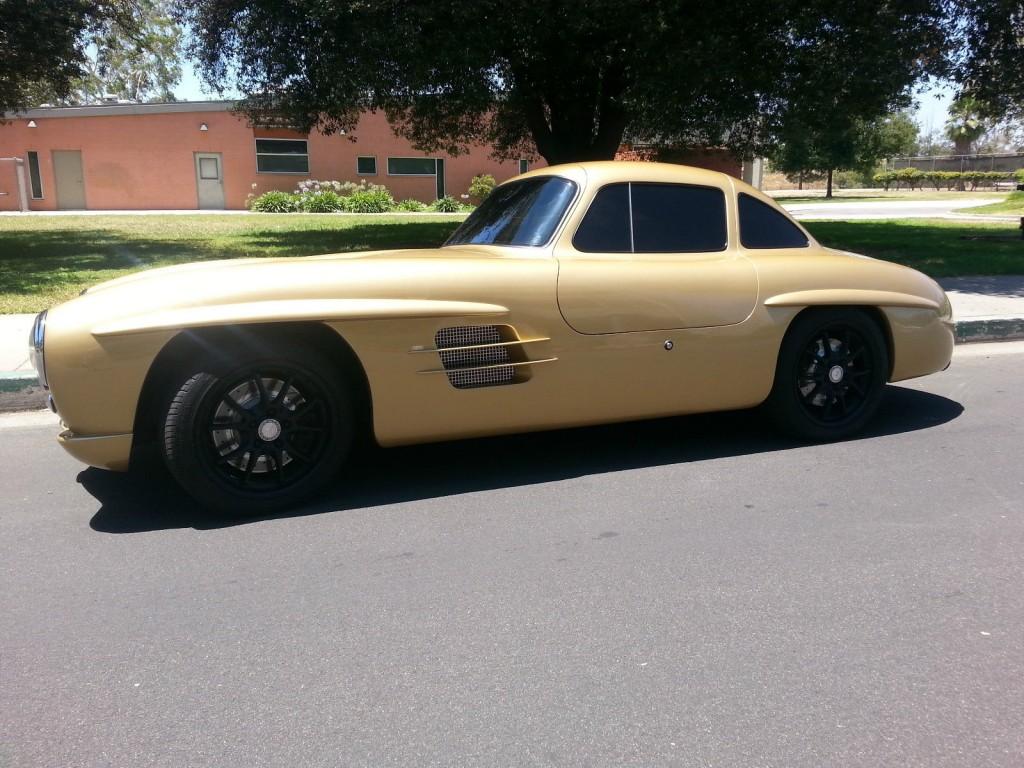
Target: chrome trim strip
489 367
478 346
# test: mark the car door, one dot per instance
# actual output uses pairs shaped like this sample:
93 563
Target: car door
654 256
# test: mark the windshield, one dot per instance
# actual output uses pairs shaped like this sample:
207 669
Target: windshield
524 212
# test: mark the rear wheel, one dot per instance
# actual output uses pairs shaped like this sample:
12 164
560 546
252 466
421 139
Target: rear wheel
257 435
831 372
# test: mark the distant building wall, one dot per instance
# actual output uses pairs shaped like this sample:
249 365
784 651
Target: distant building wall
143 156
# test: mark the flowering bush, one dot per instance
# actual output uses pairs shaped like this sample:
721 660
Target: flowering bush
412 206
446 204
373 199
324 201
274 202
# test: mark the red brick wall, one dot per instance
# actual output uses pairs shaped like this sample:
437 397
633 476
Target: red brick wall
146 161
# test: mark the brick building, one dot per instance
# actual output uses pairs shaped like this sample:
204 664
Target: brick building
188 155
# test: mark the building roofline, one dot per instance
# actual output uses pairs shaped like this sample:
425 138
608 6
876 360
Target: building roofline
96 110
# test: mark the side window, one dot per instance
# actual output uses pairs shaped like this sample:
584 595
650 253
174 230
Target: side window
605 228
675 218
761 226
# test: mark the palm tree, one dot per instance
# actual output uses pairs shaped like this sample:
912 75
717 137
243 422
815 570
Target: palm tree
964 126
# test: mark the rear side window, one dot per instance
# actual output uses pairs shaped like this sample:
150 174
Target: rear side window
605 228
761 226
653 218
673 218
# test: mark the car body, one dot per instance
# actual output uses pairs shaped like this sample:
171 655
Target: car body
639 290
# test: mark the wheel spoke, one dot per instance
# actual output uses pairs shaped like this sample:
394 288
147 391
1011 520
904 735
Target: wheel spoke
261 389
279 465
285 385
234 453
293 451
235 406
249 466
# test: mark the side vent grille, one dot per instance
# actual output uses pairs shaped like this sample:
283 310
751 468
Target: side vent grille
485 366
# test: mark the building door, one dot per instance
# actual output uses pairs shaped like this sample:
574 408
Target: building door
210 180
67 170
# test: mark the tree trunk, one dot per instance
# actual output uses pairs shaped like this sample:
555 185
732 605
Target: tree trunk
800 181
828 186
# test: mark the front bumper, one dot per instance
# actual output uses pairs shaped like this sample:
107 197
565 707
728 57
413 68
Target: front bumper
104 451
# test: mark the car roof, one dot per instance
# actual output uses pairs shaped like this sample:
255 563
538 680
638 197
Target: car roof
611 171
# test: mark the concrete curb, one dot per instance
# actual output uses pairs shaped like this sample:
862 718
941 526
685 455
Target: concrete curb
989 329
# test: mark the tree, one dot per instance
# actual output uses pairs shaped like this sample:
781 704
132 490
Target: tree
991 68
816 150
73 51
568 77
964 126
142 65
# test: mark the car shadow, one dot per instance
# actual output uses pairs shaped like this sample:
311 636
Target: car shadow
150 500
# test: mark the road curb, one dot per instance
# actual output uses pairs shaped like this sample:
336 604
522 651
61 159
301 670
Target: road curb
989 329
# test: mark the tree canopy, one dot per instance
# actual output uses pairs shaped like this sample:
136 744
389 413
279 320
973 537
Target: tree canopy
75 51
990 66
569 78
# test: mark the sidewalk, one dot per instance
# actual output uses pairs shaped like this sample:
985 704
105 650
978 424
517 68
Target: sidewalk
985 309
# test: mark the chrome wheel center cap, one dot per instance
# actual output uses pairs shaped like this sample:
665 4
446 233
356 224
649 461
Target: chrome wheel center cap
835 374
269 430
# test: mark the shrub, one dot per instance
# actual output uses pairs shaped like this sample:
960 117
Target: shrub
885 178
370 199
1019 175
481 186
274 201
849 179
324 201
446 204
412 206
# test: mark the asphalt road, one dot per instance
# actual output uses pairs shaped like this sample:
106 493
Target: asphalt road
690 592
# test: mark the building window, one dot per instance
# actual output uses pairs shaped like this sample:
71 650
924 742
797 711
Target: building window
412 166
282 156
524 165
35 179
366 166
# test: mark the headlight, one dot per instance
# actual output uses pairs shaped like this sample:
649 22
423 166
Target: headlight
946 310
36 342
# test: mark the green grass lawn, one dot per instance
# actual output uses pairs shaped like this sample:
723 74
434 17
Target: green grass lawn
878 195
1012 205
937 247
48 259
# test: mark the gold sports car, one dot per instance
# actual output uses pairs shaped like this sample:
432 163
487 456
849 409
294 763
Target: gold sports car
575 294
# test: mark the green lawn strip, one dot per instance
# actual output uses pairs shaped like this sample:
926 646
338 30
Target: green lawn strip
1012 205
45 260
938 248
878 196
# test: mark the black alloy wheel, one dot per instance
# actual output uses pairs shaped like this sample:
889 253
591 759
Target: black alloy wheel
261 436
830 376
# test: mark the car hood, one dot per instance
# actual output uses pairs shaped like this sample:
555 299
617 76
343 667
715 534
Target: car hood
172 292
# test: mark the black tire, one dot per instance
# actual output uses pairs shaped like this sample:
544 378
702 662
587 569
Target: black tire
830 376
258 432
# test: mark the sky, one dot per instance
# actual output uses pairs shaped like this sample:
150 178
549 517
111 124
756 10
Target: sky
931 112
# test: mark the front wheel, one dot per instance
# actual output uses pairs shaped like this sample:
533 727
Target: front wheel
830 376
249 437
